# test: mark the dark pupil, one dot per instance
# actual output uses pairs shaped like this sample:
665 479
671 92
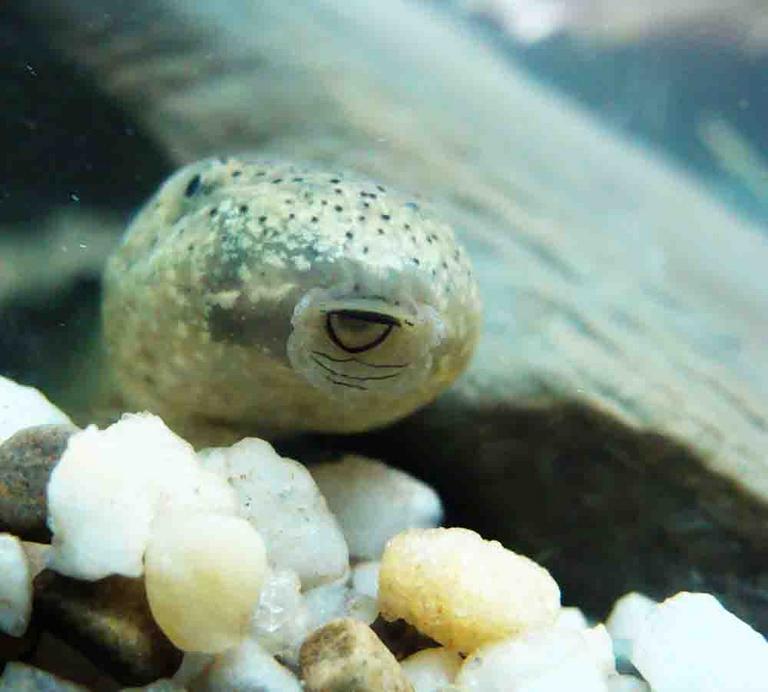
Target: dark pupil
356 331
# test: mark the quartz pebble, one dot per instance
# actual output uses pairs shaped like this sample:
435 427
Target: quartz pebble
246 668
22 407
105 492
15 587
690 642
571 618
26 461
365 578
626 619
279 497
281 620
431 669
548 660
346 655
374 502
204 574
463 591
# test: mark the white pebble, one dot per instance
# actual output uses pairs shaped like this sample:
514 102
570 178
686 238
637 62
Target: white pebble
110 484
279 497
204 574
430 670
626 683
365 578
690 642
626 619
15 587
280 622
571 618
549 660
600 646
246 668
374 502
22 407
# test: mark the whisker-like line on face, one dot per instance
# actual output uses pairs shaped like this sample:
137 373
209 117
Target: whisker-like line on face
355 377
361 362
347 384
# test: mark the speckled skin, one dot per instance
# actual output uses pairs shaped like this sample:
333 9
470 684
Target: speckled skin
218 301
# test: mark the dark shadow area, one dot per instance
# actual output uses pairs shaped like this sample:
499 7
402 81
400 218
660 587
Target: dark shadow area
63 141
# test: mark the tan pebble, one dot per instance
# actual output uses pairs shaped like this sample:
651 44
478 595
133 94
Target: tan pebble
346 655
204 574
461 590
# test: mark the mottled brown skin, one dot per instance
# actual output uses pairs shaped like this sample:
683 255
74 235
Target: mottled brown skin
269 298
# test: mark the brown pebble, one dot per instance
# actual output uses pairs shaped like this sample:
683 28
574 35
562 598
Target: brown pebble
109 622
26 461
345 654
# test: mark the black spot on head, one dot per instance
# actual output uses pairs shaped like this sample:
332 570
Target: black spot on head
243 208
314 219
236 174
350 235
407 227
277 181
213 211
381 231
429 239
365 250
338 190
192 186
335 181
445 265
262 219
291 215
361 218
298 180
338 207
261 173
415 261
386 217
366 205
380 188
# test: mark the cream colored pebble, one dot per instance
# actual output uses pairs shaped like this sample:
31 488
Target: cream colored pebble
463 591
204 574
433 669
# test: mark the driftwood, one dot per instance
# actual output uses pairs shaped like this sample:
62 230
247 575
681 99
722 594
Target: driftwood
615 420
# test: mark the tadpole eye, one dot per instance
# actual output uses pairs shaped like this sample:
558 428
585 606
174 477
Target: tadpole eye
356 331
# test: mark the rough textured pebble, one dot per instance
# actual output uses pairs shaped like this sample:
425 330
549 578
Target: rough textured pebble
22 407
690 642
110 622
431 669
374 502
279 497
246 668
347 655
281 620
463 591
110 484
19 677
26 461
204 574
15 587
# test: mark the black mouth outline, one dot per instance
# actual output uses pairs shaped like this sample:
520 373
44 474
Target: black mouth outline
357 378
363 316
360 362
